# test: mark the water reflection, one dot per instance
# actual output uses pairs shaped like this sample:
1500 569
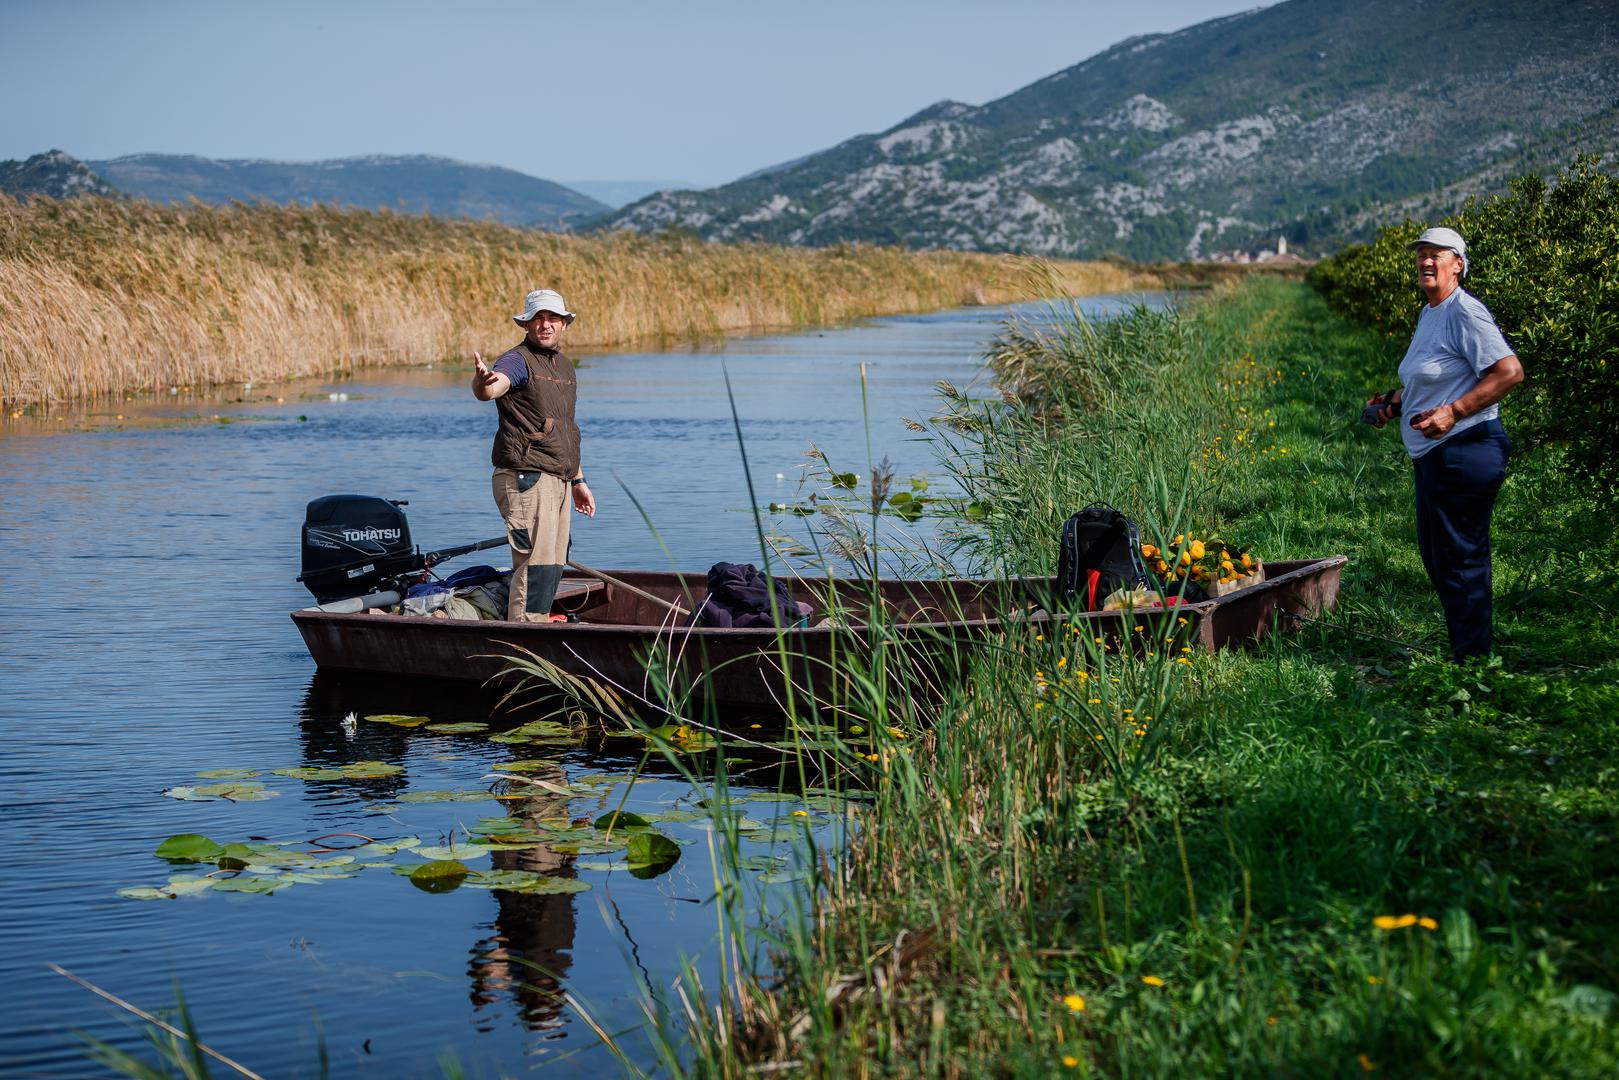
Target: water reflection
530 952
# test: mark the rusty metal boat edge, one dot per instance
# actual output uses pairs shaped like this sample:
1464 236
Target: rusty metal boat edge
932 620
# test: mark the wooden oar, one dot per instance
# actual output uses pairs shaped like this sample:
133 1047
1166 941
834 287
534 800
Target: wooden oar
611 580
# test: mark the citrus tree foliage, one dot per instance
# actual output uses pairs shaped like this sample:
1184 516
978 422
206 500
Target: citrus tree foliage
1545 260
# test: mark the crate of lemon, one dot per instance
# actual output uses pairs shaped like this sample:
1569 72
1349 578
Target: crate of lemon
1214 565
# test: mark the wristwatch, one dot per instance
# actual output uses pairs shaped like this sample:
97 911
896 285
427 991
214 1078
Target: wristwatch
576 481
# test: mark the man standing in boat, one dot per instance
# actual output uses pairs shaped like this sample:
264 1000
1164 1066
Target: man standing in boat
536 454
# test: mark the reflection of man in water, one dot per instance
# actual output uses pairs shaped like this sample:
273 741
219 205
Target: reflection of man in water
531 948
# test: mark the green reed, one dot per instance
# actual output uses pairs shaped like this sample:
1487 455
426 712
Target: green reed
1320 855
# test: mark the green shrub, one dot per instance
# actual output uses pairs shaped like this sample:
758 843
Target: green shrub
1545 260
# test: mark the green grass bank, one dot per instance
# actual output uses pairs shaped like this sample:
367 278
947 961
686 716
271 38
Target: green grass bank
1333 854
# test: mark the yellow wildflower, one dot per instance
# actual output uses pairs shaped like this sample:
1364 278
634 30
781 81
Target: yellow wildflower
1069 1060
1375 980
1366 1063
1394 922
1152 980
1427 923
1074 1002
800 813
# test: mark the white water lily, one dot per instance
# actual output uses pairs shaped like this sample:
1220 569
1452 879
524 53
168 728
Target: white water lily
350 725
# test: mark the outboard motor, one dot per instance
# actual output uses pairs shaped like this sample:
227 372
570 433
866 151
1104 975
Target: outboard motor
359 546
354 543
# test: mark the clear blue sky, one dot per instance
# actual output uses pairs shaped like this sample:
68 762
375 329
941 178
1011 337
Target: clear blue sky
701 92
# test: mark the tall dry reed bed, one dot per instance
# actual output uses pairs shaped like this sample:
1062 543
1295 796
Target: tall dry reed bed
104 296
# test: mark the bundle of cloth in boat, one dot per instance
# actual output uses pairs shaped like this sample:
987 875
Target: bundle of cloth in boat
478 592
740 596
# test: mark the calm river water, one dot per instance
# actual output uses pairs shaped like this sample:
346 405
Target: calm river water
151 563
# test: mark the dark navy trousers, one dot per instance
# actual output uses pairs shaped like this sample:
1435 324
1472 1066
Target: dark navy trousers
1457 482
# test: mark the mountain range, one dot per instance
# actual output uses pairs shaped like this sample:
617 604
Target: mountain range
414 184
54 173
1303 120
1311 120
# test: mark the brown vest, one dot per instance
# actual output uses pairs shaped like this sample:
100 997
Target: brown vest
537 429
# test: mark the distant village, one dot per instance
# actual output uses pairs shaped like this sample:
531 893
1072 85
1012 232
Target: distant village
1280 257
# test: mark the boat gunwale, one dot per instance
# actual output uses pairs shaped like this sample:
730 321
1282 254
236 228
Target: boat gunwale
487 627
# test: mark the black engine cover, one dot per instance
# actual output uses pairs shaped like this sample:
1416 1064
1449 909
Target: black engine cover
352 544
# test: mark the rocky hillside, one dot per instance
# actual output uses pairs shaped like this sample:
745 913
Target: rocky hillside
1291 120
416 184
54 173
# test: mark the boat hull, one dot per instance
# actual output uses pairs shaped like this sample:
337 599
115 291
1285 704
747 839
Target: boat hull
931 626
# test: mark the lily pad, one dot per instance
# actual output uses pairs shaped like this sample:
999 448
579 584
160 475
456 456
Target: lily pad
354 770
251 883
439 876
779 877
144 892
189 847
589 780
453 852
762 863
237 856
525 881
237 791
228 774
590 845
386 847
677 816
310 772
465 728
188 884
399 719
529 765
444 796
545 732
621 819
652 850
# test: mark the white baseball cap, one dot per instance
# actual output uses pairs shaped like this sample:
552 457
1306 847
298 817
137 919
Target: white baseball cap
1441 237
543 300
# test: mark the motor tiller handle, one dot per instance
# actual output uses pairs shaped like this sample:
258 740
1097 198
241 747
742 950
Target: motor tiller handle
433 558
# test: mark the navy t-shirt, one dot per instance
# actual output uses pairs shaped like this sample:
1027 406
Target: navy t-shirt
512 366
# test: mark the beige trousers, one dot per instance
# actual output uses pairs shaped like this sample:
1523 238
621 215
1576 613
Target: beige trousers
537 529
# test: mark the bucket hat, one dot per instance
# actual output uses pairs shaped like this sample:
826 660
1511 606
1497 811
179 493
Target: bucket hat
543 300
1441 237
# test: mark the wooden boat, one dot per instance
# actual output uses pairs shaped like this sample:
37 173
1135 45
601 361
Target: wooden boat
628 619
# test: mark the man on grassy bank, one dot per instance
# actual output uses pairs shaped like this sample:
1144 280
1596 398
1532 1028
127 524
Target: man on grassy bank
536 453
1454 375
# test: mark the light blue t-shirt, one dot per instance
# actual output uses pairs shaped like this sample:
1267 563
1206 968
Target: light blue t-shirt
1454 345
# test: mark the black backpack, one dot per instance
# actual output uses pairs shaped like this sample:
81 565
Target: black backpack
1100 552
